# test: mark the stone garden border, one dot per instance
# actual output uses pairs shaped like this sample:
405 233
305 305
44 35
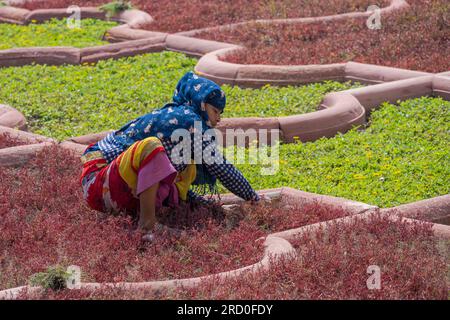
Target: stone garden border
20 155
338 112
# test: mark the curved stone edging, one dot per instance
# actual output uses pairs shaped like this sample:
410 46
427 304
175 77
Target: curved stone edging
435 210
23 136
341 111
10 117
257 75
19 155
89 138
439 230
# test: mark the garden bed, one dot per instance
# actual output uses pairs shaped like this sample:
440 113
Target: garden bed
66 101
178 16
402 156
45 222
423 29
54 33
332 264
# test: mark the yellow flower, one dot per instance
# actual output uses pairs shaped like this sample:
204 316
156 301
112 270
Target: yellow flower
358 176
33 21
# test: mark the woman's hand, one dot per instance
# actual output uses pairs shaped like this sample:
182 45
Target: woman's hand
159 228
261 199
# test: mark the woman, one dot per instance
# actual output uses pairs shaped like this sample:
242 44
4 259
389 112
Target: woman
131 170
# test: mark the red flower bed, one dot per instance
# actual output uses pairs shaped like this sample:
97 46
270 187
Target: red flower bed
334 265
175 16
7 141
45 222
329 265
416 38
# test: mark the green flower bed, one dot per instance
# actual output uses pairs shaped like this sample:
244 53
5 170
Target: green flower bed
403 156
270 101
67 101
54 33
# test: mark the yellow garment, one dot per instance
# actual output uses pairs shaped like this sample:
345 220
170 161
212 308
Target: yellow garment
130 161
185 179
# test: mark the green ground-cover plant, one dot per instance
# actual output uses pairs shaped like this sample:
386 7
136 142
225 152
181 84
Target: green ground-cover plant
73 100
54 278
401 157
54 33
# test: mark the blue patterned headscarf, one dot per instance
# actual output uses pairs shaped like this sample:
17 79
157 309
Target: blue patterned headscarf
182 113
189 94
192 90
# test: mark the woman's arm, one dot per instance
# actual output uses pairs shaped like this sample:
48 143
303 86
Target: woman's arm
147 214
228 175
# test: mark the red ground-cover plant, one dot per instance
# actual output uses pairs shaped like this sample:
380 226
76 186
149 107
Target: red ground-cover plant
44 222
333 264
416 38
329 264
175 16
